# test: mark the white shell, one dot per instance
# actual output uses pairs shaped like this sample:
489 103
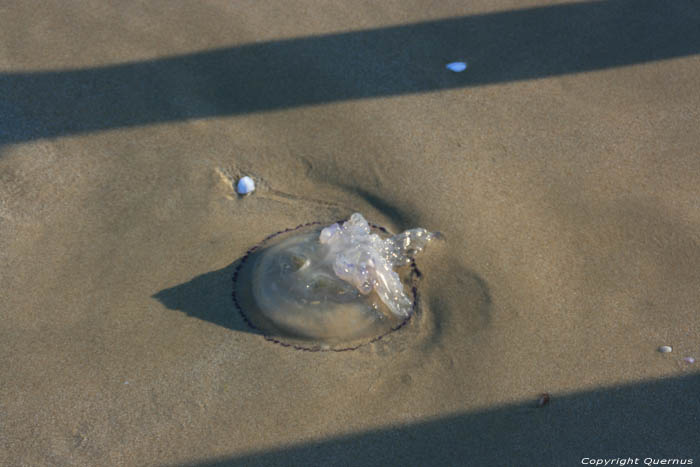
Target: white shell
245 185
456 66
665 349
689 360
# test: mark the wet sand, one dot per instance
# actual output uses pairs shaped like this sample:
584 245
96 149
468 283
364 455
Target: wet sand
562 169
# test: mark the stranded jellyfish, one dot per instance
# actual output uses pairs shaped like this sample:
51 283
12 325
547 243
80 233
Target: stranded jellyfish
332 288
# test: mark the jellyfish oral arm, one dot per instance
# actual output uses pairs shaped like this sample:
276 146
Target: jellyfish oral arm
367 261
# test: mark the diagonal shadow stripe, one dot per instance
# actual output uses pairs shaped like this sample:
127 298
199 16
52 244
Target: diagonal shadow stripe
500 47
654 419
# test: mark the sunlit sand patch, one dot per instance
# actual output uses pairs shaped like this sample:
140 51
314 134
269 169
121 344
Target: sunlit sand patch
289 287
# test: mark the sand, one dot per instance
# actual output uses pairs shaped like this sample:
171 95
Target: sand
562 167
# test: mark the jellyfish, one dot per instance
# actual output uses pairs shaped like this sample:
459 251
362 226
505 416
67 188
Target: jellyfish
330 288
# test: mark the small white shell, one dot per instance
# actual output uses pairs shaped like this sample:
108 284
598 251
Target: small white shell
245 185
689 360
665 349
456 66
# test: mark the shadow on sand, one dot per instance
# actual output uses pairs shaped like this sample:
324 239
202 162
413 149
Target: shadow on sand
500 47
655 420
207 297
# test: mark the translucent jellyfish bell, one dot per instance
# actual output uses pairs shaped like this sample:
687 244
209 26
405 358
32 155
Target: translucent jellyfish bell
330 288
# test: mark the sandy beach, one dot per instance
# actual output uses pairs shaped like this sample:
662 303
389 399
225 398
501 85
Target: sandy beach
562 167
